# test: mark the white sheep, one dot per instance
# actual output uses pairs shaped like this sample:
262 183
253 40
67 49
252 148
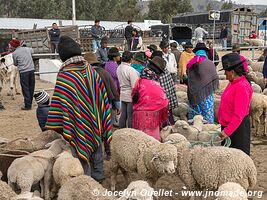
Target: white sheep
254 42
181 87
255 87
165 132
257 78
182 97
222 77
209 167
256 66
34 168
181 111
137 152
222 85
89 189
65 168
231 190
199 125
264 92
217 100
193 134
258 107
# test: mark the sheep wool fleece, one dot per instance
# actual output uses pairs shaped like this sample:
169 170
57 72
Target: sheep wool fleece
80 107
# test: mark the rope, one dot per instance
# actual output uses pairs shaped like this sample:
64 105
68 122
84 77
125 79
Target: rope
213 141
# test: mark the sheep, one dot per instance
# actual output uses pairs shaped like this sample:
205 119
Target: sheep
255 87
198 124
36 143
34 168
256 66
257 78
254 42
222 77
258 107
135 151
181 88
182 97
264 92
209 167
222 85
217 100
192 133
165 132
65 168
181 111
231 190
89 189
6 192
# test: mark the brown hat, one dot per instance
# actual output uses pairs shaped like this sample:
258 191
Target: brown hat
91 58
157 64
236 47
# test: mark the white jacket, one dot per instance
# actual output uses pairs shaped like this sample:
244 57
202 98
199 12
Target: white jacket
171 63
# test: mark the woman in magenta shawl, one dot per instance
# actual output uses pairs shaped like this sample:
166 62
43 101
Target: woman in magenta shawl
150 104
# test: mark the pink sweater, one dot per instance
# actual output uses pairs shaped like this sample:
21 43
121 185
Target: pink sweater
235 103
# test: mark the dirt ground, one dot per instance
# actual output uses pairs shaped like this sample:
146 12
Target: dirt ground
15 123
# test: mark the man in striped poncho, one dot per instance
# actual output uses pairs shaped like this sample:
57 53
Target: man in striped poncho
80 109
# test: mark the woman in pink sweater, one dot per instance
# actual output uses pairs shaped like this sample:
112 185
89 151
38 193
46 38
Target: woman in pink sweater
233 113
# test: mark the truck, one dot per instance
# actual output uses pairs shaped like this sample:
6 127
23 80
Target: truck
240 23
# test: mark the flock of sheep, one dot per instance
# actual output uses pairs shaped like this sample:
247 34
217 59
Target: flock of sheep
50 168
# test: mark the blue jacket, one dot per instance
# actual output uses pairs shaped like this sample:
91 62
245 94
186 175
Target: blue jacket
41 113
264 71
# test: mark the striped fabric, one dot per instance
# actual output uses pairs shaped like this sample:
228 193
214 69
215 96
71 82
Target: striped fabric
80 108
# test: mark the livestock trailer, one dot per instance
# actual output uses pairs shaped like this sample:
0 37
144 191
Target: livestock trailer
240 23
172 32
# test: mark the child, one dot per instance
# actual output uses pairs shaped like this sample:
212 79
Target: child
42 99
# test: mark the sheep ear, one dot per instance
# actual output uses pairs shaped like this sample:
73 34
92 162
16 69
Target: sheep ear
185 127
48 144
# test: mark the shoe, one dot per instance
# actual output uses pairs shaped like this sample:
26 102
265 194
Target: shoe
24 108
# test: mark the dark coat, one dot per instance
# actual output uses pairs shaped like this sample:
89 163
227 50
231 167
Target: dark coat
54 35
264 70
224 33
128 32
42 113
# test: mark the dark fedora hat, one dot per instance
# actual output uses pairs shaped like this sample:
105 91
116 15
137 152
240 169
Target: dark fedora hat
114 51
164 44
231 61
200 46
157 64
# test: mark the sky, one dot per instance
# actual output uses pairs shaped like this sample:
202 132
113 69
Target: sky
253 2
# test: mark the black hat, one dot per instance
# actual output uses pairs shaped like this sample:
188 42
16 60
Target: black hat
200 46
68 48
157 53
164 44
114 51
152 47
188 45
104 40
126 56
231 61
157 64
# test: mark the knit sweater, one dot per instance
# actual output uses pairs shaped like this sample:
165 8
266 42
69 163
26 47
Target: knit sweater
235 103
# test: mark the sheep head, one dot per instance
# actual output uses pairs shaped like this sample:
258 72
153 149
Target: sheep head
162 158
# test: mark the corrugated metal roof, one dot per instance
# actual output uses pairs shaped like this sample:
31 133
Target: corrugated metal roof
28 23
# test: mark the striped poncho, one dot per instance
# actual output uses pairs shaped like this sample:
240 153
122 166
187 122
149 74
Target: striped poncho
80 109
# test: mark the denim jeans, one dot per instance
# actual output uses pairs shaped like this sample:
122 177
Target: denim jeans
224 43
96 44
126 114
